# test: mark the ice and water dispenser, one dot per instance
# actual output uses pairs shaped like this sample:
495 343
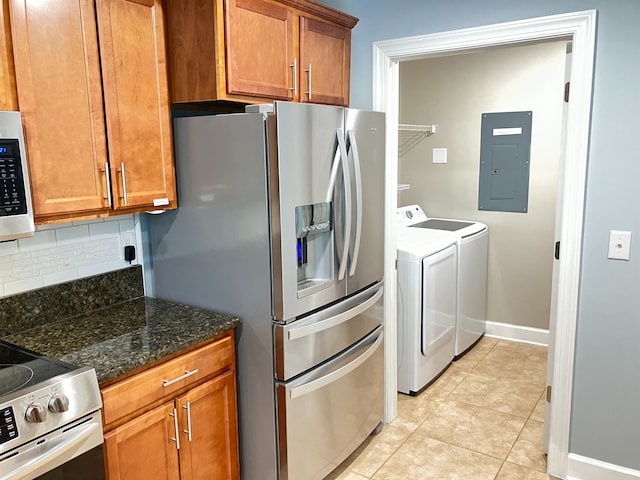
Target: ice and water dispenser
314 233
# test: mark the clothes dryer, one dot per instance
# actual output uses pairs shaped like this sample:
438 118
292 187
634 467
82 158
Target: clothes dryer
427 283
473 245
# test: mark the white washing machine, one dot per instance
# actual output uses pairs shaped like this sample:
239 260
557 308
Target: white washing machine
473 245
427 282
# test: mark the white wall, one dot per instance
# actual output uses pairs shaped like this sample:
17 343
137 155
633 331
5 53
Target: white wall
453 92
68 251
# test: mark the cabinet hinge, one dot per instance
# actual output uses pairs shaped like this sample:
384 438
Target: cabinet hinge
557 252
396 263
566 91
548 393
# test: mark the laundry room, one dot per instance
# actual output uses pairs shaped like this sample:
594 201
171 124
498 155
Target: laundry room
442 102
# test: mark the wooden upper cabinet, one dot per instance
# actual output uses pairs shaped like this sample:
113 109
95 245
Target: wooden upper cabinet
259 49
8 97
92 87
136 93
254 51
58 80
325 57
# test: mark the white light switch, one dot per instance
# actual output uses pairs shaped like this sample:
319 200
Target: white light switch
619 244
439 155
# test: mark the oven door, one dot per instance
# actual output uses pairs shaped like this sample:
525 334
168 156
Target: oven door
72 452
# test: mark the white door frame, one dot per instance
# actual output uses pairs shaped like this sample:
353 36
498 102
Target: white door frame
580 27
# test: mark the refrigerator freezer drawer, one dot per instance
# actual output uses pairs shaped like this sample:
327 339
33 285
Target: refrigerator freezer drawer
324 415
307 342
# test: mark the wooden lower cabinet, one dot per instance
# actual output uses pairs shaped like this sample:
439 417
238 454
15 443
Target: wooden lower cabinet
209 413
142 448
189 432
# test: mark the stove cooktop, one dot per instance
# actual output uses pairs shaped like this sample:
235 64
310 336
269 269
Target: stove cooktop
20 368
39 394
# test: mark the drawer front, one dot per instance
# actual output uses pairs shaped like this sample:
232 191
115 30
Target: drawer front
134 393
326 413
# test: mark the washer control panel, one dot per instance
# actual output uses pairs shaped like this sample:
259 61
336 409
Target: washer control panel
410 215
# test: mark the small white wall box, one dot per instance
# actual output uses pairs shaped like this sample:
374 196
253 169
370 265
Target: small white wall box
619 245
439 155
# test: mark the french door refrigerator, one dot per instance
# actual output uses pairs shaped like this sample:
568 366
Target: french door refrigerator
280 222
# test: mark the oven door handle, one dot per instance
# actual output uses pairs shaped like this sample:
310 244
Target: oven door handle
35 459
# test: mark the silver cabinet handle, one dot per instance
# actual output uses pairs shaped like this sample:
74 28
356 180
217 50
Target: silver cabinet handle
175 425
358 182
124 184
309 76
187 373
294 65
107 173
188 430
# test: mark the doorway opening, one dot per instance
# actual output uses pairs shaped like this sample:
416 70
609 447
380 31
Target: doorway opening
579 28
455 92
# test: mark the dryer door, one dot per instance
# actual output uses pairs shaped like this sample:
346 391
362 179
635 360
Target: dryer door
439 285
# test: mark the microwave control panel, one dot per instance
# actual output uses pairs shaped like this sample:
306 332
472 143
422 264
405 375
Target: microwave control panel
12 192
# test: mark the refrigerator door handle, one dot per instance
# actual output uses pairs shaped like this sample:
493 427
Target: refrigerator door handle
316 327
337 374
342 158
334 171
358 185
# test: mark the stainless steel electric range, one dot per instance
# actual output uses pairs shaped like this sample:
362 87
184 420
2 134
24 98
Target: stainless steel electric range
50 418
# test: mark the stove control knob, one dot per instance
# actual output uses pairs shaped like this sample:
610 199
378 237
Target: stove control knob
35 413
59 403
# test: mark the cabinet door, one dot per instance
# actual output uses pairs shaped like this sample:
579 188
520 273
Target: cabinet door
325 56
133 56
259 49
59 89
209 413
8 99
143 448
193 41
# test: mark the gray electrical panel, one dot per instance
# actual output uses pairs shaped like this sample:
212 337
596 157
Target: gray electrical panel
505 150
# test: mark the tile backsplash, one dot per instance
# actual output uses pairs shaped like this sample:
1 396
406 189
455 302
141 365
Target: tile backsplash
69 251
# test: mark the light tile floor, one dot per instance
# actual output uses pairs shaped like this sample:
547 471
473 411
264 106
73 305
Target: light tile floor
482 419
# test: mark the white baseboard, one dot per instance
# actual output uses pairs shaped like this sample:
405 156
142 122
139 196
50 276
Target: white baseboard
584 468
517 333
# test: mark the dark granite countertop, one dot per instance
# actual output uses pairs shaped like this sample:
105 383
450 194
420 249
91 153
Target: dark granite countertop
122 338
107 323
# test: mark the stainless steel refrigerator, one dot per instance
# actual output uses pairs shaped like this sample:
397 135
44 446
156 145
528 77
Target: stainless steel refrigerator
280 222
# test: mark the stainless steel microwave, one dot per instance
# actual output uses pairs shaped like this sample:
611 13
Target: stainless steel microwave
16 211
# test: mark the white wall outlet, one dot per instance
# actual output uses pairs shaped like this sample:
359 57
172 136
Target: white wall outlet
619 245
127 238
439 155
